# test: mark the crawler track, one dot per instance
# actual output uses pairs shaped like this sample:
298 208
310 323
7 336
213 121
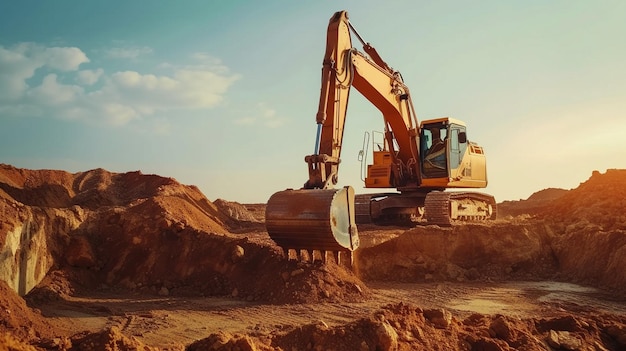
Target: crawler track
446 208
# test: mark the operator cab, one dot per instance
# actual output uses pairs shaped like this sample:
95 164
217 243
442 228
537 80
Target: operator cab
443 142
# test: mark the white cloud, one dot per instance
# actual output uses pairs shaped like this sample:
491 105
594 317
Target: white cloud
205 61
19 110
121 97
15 68
184 89
50 92
132 80
19 63
131 52
203 88
64 59
89 77
118 114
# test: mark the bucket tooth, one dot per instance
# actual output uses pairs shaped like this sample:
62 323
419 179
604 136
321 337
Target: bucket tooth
345 258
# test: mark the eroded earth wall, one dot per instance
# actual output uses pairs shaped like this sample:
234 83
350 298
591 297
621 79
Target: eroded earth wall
26 254
50 218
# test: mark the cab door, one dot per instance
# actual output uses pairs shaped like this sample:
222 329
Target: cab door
457 145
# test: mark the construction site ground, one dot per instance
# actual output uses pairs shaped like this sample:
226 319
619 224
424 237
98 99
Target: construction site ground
174 321
105 261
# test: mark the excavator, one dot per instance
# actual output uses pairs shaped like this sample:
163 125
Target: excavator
420 161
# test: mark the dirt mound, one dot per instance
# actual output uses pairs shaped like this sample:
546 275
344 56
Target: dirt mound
548 194
600 200
525 251
588 226
242 218
9 342
150 234
236 211
535 204
109 339
467 252
189 261
97 189
408 327
224 341
18 319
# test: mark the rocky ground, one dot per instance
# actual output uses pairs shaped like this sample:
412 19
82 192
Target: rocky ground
105 261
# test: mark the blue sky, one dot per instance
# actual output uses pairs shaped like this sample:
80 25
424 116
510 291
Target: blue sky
223 94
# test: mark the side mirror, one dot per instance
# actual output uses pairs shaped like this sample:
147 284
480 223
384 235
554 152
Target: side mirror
462 137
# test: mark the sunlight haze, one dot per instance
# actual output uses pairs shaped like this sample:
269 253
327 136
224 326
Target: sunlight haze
223 95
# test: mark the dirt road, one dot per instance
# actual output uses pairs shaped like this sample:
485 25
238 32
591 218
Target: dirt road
171 322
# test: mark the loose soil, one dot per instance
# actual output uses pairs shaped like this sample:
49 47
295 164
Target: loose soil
106 261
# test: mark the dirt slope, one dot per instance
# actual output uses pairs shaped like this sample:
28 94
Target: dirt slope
534 205
591 222
600 201
19 319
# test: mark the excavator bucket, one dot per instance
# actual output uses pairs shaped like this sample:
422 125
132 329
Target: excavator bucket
313 220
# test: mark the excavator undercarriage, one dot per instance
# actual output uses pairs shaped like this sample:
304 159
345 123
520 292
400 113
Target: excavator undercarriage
435 207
